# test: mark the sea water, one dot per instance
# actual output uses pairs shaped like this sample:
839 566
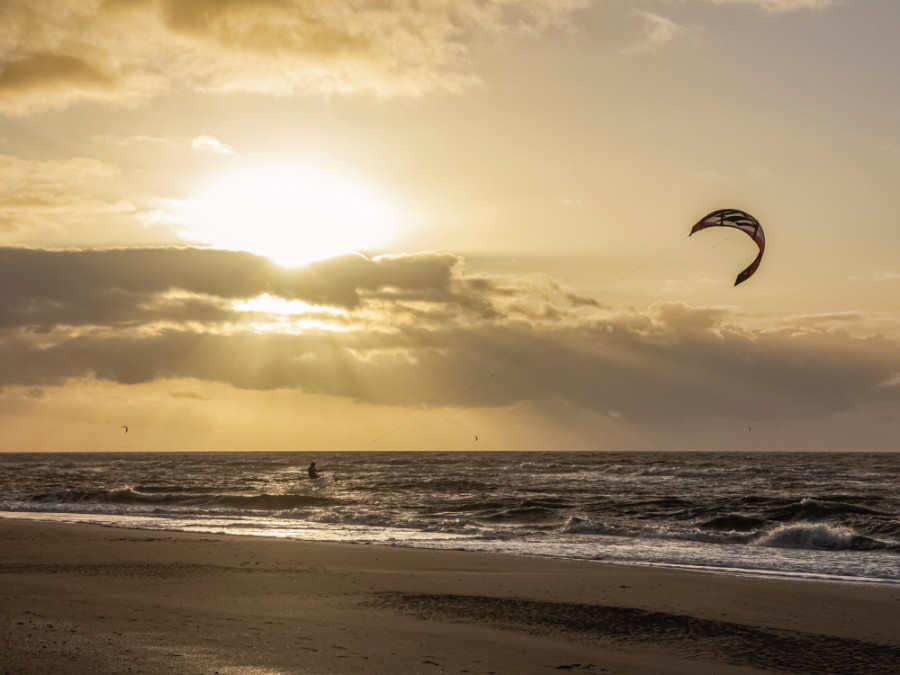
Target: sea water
808 515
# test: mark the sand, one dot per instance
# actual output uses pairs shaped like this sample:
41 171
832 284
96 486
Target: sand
87 599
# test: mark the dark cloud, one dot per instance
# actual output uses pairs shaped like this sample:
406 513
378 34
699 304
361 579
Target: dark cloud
415 330
56 52
43 288
749 377
48 71
263 26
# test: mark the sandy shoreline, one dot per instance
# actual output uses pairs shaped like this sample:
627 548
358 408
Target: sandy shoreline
86 599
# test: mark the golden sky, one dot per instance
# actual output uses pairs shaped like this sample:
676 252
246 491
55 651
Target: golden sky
401 224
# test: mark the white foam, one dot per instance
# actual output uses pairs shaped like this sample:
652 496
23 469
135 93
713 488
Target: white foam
817 536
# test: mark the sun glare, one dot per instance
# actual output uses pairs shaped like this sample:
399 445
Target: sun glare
290 214
291 316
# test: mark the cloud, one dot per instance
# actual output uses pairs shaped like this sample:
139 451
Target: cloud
204 143
38 71
45 289
130 141
57 52
64 202
47 80
42 194
780 5
658 32
418 330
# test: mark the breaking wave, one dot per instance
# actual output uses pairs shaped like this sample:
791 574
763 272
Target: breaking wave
820 537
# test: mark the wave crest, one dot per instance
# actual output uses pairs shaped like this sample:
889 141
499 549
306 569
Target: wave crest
819 509
818 536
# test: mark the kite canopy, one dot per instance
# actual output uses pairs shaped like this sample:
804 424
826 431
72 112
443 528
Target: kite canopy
740 220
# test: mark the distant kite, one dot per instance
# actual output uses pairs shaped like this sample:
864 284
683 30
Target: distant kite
125 428
742 221
476 438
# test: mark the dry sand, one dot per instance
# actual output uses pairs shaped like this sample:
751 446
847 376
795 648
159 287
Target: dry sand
85 599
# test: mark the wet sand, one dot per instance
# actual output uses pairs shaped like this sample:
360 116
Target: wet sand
86 599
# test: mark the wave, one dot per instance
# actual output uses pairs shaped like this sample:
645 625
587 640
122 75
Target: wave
395 521
820 537
661 503
808 536
130 496
421 484
577 525
651 531
197 489
885 529
808 509
734 522
527 511
469 507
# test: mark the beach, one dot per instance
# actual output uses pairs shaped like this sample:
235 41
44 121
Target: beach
79 598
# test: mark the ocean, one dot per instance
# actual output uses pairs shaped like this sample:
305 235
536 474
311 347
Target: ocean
798 515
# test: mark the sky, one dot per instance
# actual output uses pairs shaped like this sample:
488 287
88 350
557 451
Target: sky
327 225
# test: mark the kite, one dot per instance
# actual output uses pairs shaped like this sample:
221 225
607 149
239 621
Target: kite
742 221
125 428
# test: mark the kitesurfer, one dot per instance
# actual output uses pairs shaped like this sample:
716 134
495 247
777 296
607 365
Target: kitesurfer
313 472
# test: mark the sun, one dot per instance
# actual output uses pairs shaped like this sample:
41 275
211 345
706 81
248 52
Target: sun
289 213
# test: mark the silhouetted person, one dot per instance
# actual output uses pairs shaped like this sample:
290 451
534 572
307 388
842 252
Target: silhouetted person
313 472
